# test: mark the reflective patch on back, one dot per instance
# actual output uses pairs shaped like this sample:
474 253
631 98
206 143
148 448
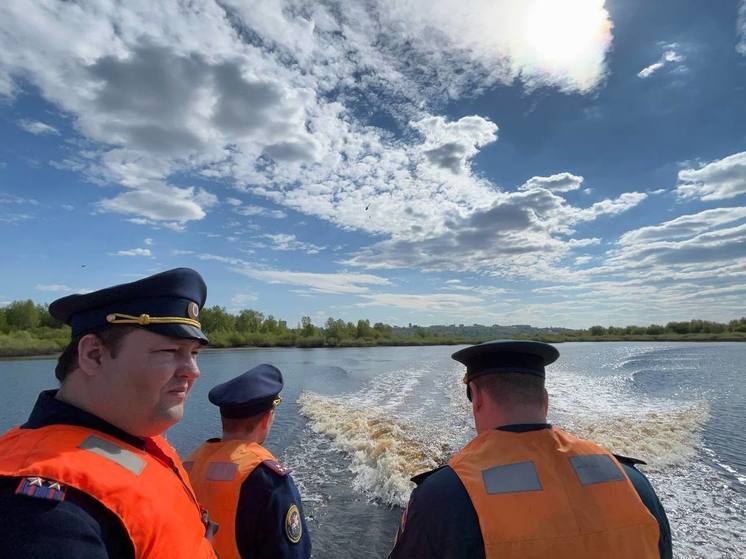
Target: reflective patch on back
125 458
221 471
595 468
511 478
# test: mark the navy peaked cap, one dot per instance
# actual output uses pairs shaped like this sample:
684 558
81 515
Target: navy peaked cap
249 394
167 303
506 356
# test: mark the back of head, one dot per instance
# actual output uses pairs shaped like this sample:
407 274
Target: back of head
509 377
246 400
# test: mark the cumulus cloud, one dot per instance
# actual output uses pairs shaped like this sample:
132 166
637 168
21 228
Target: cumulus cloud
161 202
450 145
264 97
38 128
669 57
561 182
717 180
522 234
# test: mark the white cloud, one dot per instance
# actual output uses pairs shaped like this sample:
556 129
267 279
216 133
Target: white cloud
287 242
451 145
561 182
717 180
741 27
134 252
251 210
38 128
340 283
684 226
148 242
670 56
160 202
184 88
521 234
54 288
241 300
433 302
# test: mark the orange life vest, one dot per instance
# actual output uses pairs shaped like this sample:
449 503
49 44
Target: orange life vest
217 470
158 510
546 493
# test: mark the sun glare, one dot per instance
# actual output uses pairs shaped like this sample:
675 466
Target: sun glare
563 31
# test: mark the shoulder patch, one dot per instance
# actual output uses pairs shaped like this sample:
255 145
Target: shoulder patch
419 478
629 461
41 488
276 467
293 525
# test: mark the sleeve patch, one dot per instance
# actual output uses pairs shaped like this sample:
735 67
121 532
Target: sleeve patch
277 468
41 489
293 525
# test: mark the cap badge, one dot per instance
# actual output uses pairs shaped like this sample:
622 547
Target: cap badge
193 310
293 526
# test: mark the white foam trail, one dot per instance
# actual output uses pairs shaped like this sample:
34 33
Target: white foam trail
384 452
661 438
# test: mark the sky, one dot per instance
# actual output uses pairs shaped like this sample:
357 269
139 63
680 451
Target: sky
544 162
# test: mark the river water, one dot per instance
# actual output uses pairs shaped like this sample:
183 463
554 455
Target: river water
355 424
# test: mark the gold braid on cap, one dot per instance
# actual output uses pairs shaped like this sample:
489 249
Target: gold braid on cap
145 319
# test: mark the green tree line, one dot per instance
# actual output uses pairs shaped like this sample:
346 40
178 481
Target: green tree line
27 328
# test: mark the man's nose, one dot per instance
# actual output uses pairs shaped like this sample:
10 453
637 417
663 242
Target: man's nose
189 368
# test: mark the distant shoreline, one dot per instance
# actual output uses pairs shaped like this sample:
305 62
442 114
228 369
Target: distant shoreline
31 352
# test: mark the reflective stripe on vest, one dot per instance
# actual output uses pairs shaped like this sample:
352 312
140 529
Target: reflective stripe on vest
545 493
158 510
217 470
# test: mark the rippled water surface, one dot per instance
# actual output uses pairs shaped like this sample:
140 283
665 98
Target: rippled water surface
357 423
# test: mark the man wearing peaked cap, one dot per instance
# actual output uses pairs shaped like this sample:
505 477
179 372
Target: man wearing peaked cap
523 488
89 474
252 498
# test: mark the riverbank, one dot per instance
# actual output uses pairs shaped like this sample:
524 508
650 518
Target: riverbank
24 344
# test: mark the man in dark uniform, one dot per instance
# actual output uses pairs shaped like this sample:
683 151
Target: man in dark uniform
523 488
88 475
252 498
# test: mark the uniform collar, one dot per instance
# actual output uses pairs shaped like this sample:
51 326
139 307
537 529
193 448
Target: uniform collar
524 427
50 411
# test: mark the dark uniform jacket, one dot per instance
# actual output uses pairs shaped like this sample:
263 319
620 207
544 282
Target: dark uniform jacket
78 527
440 520
265 498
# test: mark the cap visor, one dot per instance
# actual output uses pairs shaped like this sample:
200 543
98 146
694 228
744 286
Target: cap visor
179 331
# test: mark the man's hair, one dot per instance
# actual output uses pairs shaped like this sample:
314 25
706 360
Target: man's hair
510 389
110 336
243 424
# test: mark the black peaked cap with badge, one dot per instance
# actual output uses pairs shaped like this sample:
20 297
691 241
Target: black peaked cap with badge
249 394
506 356
167 303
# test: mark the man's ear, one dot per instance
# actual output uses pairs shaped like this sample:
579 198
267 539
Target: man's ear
267 419
477 396
90 354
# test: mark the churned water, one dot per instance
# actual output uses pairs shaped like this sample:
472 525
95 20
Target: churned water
357 423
